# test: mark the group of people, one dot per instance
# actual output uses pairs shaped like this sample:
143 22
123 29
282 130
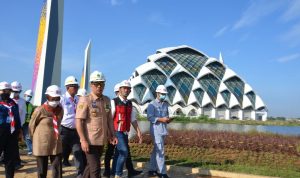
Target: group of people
83 124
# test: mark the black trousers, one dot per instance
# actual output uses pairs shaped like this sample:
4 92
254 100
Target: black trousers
8 145
42 166
93 167
71 143
108 156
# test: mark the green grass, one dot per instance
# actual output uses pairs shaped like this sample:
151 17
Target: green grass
241 161
205 119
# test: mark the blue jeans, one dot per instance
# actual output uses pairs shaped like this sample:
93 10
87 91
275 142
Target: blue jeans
121 153
26 137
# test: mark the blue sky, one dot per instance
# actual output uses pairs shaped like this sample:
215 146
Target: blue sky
259 40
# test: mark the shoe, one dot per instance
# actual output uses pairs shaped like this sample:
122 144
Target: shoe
152 174
163 176
134 173
19 166
106 174
66 164
116 176
29 153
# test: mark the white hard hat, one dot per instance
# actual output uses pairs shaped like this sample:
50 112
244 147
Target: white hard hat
125 83
97 76
161 89
5 85
71 80
16 86
116 88
82 92
53 91
28 93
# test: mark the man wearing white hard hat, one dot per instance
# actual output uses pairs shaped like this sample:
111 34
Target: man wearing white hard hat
15 95
44 130
116 89
69 135
9 128
29 110
158 115
94 124
123 115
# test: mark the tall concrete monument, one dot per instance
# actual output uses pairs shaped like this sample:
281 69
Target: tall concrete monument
47 65
86 68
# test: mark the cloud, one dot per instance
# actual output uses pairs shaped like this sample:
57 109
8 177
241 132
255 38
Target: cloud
293 11
293 35
158 18
220 32
288 58
115 2
255 12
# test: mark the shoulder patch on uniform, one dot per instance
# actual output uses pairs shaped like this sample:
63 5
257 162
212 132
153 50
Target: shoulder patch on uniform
80 106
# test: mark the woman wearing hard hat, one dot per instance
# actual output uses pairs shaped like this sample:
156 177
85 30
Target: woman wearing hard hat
46 139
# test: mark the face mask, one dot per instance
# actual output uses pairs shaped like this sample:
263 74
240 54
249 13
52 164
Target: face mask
53 104
5 96
162 97
27 98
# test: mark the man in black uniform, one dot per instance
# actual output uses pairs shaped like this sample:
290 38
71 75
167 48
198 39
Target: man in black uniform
9 128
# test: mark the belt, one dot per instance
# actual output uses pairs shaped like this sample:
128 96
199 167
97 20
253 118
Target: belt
71 129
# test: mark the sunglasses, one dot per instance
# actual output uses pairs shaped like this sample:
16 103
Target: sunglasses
97 84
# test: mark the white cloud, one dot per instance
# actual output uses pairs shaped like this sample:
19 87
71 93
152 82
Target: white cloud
256 11
293 11
158 18
289 58
293 35
220 32
115 2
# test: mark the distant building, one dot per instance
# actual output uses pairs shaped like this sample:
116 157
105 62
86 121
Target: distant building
197 85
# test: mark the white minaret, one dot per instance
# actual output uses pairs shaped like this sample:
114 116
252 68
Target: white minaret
221 58
47 65
86 68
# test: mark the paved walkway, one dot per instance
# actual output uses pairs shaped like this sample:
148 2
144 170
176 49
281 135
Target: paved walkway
29 171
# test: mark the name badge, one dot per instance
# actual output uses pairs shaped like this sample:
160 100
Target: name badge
94 104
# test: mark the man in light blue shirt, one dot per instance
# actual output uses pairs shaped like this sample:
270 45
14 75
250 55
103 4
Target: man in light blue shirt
158 115
69 135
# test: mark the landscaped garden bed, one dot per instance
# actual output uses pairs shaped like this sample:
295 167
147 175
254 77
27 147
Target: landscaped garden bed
253 153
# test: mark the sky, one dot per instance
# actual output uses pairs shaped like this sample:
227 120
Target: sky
258 39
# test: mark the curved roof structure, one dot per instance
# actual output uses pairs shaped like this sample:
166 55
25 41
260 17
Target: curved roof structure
197 84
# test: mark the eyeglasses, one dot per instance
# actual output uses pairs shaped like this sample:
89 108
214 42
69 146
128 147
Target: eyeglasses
54 99
97 84
74 86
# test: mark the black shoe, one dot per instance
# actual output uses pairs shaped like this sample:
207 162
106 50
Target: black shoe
134 173
106 174
19 166
152 174
24 162
163 176
66 163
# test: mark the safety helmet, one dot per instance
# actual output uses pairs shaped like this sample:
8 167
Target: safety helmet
71 80
161 89
82 92
125 83
97 76
16 86
116 88
53 91
5 85
28 93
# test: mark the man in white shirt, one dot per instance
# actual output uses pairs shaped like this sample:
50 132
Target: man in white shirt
15 95
69 135
123 115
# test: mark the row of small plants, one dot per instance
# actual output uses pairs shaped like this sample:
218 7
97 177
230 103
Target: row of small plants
255 153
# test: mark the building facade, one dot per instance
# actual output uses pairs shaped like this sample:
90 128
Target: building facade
197 85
